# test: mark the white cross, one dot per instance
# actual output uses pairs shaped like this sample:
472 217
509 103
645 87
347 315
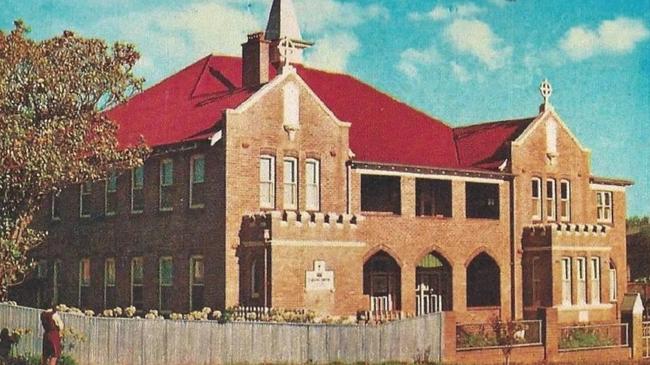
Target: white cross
286 48
546 90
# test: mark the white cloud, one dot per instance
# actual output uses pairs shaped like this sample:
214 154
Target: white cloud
317 16
333 51
617 36
476 38
460 72
412 59
440 13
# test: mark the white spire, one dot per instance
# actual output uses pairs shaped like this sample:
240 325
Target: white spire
283 22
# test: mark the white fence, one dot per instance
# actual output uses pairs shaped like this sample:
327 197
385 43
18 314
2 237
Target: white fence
117 341
426 301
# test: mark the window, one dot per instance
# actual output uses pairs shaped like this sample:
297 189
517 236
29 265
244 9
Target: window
41 275
613 282
56 282
267 182
312 171
550 199
109 283
197 181
110 195
41 269
56 206
565 200
482 200
581 264
566 281
290 168
381 194
137 190
433 198
604 206
85 191
257 277
84 282
166 280
483 282
536 271
197 281
595 280
536 198
166 185
137 282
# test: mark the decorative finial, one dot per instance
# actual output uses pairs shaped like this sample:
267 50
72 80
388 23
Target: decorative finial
546 90
287 48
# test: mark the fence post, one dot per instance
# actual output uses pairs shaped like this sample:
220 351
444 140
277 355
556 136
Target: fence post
551 332
632 314
448 350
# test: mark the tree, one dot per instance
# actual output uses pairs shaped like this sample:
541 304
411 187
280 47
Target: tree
53 132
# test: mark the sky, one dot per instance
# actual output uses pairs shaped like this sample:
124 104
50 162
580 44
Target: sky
461 61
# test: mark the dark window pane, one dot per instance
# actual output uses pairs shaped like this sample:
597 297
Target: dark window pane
380 194
482 200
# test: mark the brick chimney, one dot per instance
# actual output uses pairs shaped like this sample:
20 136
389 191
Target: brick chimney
255 58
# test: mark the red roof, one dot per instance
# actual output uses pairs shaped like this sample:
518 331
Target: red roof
486 145
189 106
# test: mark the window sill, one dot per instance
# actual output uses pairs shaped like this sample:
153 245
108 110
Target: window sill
380 214
434 217
113 214
137 212
483 219
197 206
166 210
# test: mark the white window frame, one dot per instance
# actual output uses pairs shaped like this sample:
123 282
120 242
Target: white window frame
160 281
581 275
613 283
253 281
290 183
82 262
194 182
604 210
267 182
565 200
312 185
567 281
83 195
53 215
109 191
594 267
108 284
551 201
537 210
133 284
134 187
193 259
162 184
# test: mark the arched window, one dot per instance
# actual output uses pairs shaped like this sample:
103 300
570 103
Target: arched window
483 282
381 280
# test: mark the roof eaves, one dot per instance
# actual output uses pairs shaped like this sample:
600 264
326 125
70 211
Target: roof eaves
610 181
428 170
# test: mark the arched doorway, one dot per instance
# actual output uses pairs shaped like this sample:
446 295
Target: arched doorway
433 285
483 282
381 281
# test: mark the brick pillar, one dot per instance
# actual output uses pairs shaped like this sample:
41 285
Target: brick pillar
459 290
408 197
448 337
458 199
408 288
550 333
632 314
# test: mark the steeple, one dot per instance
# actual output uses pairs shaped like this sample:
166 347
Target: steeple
283 31
283 22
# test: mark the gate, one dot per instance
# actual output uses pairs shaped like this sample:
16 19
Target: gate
427 300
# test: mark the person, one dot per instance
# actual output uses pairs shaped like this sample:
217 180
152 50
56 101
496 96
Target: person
6 342
52 327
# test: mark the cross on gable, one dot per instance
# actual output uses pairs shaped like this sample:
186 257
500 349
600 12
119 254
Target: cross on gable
287 48
546 90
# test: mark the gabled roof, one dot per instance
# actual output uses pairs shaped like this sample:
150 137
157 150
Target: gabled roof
190 104
486 145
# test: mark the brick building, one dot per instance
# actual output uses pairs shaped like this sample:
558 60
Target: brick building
275 184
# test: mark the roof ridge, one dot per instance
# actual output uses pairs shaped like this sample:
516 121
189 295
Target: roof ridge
521 119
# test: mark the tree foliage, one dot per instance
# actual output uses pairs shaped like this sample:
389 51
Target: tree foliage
53 132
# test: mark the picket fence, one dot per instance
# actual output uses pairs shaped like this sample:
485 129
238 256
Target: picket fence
148 342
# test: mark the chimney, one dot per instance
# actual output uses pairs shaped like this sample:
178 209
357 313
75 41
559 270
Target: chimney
255 58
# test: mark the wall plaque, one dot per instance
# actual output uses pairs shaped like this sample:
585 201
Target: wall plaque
319 278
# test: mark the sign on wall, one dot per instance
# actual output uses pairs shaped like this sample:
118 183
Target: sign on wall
319 278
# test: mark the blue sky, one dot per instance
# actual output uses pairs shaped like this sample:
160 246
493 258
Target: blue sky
462 61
